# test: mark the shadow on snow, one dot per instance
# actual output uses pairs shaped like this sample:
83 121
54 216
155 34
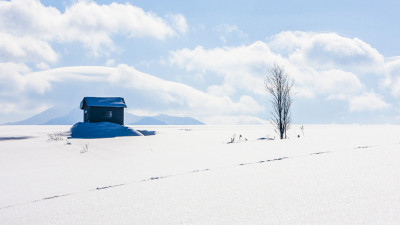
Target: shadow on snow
105 130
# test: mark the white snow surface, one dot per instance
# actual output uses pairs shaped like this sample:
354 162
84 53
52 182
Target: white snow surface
335 174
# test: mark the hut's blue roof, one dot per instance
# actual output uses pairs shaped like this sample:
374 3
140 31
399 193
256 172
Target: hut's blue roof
103 102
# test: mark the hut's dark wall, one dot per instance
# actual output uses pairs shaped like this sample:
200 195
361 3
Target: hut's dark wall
95 114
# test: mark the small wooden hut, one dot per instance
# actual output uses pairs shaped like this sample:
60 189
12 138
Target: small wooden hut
103 109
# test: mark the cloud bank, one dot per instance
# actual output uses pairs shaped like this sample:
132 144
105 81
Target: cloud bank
29 25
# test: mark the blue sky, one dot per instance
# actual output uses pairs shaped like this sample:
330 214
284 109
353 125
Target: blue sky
205 59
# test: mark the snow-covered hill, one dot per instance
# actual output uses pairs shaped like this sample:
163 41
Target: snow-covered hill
333 174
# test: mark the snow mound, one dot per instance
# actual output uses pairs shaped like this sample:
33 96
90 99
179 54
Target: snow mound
104 130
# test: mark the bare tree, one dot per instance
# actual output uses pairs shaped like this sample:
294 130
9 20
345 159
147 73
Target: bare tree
279 85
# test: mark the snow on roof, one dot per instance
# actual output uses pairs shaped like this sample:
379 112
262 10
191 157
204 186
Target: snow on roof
103 102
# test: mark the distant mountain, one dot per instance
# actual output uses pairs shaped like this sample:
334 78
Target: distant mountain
70 118
52 117
175 120
149 121
131 119
160 120
40 118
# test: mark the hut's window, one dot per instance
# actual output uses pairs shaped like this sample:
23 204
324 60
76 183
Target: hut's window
107 114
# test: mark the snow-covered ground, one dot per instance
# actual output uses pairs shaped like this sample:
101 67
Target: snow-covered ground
334 174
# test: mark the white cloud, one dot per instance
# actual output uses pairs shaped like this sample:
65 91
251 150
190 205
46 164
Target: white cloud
368 101
8 108
17 90
392 79
287 42
11 78
16 79
326 51
110 62
21 109
228 30
223 90
86 22
42 66
179 22
241 67
337 82
21 49
222 60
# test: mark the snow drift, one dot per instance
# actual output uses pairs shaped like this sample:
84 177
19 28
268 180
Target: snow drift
104 130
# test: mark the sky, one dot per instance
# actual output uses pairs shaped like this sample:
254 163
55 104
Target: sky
204 59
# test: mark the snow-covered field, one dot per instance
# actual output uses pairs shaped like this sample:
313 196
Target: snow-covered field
334 174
